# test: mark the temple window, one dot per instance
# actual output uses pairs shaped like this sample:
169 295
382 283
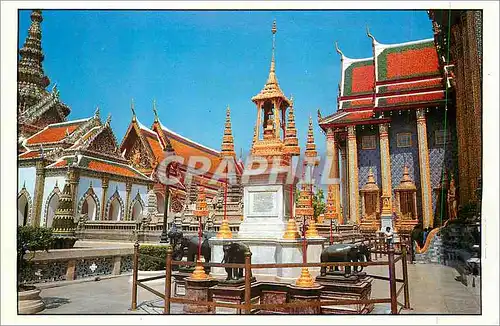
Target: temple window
406 197
89 208
51 209
368 142
22 210
404 139
439 137
136 211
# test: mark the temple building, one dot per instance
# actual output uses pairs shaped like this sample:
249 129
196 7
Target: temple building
460 54
115 191
392 140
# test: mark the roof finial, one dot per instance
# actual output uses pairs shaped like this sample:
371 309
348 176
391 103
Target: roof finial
108 119
155 111
338 50
369 34
319 114
132 108
274 30
24 184
57 184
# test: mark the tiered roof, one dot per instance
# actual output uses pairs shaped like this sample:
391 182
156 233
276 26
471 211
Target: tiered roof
62 139
97 164
34 101
397 76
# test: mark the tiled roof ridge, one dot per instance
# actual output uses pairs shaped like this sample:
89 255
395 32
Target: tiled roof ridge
390 45
202 147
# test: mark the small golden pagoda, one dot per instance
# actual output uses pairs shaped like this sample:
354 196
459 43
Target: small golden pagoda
291 140
331 207
370 205
200 212
406 203
311 160
228 154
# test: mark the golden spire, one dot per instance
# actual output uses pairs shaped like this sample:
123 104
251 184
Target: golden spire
291 140
271 88
311 145
227 140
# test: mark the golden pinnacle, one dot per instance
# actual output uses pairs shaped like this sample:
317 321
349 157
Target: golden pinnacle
291 230
312 232
224 231
199 272
305 280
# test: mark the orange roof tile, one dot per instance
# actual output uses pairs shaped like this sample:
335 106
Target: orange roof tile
154 144
412 62
110 168
411 99
363 79
186 151
411 86
29 154
51 135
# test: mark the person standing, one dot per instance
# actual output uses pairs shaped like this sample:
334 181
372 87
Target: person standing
388 237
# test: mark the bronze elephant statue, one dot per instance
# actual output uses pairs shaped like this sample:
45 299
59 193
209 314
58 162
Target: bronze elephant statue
234 253
188 246
345 253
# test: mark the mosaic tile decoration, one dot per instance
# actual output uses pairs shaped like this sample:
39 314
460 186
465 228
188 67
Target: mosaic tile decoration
406 122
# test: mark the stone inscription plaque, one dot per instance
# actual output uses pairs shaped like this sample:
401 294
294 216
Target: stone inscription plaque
263 202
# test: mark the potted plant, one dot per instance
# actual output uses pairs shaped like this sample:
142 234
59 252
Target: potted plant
29 240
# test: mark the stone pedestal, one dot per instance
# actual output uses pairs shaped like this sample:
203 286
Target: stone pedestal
386 221
338 287
273 293
271 251
232 292
264 212
180 283
301 294
197 290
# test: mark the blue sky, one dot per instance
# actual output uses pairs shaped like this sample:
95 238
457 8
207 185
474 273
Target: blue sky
195 63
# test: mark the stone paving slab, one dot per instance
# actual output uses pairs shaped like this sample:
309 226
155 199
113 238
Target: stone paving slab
433 290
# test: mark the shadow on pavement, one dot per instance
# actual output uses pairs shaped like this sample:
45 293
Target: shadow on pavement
54 302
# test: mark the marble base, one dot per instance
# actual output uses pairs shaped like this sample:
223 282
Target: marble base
300 294
269 251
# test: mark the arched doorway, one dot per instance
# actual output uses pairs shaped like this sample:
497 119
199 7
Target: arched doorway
89 208
160 203
114 210
23 208
136 211
52 206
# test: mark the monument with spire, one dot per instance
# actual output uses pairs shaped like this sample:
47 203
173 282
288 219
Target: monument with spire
268 227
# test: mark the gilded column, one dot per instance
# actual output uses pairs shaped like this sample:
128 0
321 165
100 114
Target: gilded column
127 200
352 156
332 153
73 178
105 184
425 172
385 172
38 193
345 185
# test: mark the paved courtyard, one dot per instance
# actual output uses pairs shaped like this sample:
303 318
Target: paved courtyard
433 289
